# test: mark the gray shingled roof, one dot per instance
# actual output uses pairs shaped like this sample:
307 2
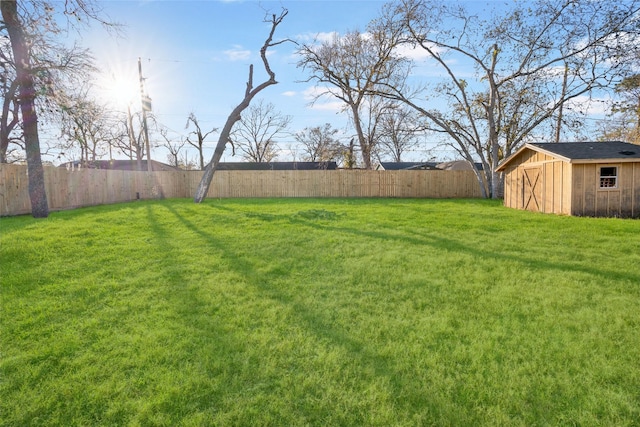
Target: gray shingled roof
591 150
279 166
396 166
126 165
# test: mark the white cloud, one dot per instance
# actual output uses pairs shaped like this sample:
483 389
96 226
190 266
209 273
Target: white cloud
414 53
589 106
317 38
237 53
334 106
290 93
320 100
313 92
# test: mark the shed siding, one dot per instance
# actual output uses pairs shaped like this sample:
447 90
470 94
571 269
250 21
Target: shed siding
626 180
634 177
513 187
553 197
556 177
636 190
589 191
548 185
566 187
577 190
589 200
570 188
512 198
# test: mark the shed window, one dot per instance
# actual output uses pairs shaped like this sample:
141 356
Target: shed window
608 177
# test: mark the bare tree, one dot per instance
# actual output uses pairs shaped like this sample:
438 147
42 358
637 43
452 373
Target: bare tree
26 95
255 135
250 93
349 155
9 118
88 125
187 163
199 137
174 147
519 57
22 28
10 127
130 139
373 111
136 143
400 131
349 68
56 68
320 143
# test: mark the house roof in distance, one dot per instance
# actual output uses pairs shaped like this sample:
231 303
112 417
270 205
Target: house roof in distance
394 166
583 152
131 165
126 165
459 165
453 165
276 166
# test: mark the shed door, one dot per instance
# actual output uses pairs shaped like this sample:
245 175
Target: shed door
531 189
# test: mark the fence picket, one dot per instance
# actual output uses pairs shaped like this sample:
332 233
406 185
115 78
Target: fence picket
68 189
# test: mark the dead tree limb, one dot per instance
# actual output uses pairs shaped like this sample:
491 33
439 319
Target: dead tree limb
250 93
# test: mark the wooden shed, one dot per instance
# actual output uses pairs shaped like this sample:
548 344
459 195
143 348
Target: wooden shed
574 178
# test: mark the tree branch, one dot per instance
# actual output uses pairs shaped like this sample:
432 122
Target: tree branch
250 93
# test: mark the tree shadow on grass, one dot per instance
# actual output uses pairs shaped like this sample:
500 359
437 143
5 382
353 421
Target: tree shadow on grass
321 220
373 363
209 343
446 244
320 324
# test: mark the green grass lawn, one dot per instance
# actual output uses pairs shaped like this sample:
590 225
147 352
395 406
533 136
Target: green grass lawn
288 312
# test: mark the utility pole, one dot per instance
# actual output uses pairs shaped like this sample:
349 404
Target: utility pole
146 106
132 139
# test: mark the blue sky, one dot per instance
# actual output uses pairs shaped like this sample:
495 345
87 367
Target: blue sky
196 56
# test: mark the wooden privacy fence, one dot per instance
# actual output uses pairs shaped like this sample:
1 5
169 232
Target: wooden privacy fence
67 189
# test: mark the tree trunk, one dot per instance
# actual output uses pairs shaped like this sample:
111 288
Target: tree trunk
365 146
493 118
26 93
209 170
202 157
250 93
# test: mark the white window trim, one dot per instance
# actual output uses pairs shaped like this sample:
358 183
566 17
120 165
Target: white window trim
616 177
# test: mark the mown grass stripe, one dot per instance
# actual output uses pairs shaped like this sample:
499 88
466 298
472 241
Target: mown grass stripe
318 312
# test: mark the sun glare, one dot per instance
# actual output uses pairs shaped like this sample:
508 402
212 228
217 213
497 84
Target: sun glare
123 91
120 88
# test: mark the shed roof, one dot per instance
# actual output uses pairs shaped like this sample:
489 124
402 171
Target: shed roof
583 152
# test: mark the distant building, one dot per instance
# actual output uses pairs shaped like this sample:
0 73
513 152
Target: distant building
459 165
396 166
123 165
276 166
454 165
